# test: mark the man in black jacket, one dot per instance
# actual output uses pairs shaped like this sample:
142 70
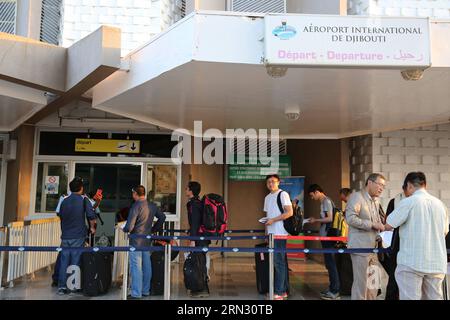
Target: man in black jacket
195 216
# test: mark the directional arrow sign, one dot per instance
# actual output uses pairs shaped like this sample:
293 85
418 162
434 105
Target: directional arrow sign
107 145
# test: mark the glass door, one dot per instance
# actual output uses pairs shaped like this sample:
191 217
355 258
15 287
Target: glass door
116 181
52 182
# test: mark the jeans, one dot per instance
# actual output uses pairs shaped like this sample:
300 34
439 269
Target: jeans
55 275
141 273
281 269
330 264
68 258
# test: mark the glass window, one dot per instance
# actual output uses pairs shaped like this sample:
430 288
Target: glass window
162 187
116 181
51 184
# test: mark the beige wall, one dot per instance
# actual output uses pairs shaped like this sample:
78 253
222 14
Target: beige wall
320 161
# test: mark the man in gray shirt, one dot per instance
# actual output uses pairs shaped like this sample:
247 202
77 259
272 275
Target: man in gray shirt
326 218
140 222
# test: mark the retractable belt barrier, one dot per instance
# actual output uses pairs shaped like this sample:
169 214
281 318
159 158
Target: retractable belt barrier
226 231
228 238
168 249
194 249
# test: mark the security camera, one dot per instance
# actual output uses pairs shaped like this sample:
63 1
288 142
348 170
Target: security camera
292 116
292 112
412 74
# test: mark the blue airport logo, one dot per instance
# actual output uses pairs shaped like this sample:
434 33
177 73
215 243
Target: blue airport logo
284 32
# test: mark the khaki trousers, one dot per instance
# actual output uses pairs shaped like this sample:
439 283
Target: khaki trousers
414 285
368 277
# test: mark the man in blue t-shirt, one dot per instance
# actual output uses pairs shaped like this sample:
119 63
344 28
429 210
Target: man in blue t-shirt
73 213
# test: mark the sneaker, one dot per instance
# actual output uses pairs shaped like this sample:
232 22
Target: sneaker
283 296
62 291
199 294
331 296
133 298
324 292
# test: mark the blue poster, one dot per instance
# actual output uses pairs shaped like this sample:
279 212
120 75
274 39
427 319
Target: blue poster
295 186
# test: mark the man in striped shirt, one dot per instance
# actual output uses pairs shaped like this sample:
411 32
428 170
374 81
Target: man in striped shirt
423 224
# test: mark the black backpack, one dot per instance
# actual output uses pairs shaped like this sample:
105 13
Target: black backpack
195 273
294 224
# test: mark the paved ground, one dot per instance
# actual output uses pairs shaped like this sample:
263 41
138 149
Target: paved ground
232 278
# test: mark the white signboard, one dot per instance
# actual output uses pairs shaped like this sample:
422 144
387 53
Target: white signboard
346 41
52 184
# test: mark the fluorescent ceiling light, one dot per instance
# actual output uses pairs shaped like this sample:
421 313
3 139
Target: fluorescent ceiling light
107 120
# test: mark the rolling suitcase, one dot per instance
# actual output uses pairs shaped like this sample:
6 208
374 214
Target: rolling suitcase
157 285
96 272
345 271
195 273
262 270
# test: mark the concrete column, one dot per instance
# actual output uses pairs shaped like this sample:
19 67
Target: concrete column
19 176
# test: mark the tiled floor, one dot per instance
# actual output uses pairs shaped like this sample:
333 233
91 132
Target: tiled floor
232 278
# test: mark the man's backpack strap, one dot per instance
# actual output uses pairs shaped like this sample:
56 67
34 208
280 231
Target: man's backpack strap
280 205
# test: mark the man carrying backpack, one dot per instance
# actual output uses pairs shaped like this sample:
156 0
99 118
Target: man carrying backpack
275 226
326 218
195 214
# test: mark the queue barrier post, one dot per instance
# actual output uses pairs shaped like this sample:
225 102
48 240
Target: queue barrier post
271 266
125 274
167 259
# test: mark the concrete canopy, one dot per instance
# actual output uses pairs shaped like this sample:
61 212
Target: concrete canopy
201 70
36 79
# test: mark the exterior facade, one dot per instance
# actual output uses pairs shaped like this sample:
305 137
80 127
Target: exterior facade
110 107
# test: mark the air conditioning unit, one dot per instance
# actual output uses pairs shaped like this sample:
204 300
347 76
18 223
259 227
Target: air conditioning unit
8 13
259 6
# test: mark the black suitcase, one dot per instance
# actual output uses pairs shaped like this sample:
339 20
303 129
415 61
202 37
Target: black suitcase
157 285
195 273
96 272
262 270
345 271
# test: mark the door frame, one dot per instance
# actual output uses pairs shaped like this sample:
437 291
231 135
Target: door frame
73 160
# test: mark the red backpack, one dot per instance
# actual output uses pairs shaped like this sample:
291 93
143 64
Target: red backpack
215 215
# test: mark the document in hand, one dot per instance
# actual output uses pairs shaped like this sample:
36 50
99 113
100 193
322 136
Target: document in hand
306 220
386 236
263 220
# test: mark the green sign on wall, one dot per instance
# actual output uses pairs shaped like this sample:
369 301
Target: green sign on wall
257 172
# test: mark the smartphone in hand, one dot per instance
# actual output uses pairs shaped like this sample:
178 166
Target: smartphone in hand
99 194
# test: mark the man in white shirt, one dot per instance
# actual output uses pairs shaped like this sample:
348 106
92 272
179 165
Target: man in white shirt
278 208
422 260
